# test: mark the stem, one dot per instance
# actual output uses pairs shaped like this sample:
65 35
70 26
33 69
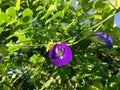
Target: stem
23 45
86 36
97 28
70 25
47 83
112 5
102 21
67 39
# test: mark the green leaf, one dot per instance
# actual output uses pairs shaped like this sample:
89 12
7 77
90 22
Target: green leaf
2 69
51 9
17 6
3 50
11 21
38 14
67 6
92 87
39 8
47 84
47 14
0 1
97 16
35 2
118 3
21 36
36 59
3 18
11 12
27 15
58 14
49 45
1 29
98 84
12 49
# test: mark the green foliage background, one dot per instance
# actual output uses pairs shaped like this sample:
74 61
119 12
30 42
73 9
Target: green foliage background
28 29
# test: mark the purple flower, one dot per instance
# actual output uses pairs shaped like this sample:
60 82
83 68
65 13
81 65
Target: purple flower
106 39
0 58
60 54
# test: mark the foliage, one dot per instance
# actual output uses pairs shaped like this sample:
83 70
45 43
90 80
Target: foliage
29 28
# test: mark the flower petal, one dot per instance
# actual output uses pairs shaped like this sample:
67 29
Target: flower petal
67 57
105 39
57 59
0 58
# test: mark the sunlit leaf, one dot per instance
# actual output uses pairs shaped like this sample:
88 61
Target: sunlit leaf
92 87
17 7
27 15
67 6
98 17
1 29
117 3
11 12
47 83
98 84
3 50
51 9
39 8
37 59
35 1
58 14
47 14
3 18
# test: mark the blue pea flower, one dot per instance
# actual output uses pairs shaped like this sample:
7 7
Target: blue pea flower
105 39
0 58
60 54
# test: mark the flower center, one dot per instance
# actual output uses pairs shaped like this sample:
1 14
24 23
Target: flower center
60 51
